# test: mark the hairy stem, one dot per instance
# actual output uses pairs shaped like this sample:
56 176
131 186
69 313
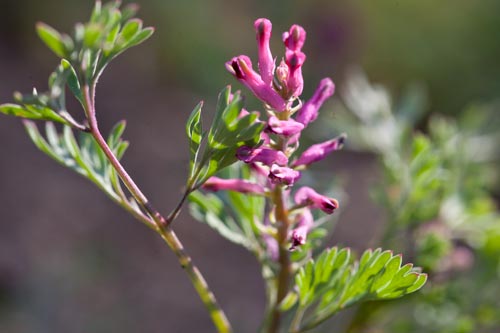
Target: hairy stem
162 225
283 281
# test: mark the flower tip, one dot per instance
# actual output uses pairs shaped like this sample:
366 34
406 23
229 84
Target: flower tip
262 26
295 38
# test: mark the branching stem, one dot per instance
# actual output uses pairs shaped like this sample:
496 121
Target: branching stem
162 225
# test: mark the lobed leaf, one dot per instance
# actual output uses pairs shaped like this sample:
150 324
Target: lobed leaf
334 282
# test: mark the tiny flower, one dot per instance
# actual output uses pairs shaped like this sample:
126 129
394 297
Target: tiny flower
319 151
283 127
309 111
294 38
299 234
283 175
263 28
241 68
307 196
215 184
265 156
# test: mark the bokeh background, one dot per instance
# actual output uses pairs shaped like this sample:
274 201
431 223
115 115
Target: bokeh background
71 261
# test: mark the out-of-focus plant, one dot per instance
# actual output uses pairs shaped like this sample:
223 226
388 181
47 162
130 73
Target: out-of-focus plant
256 204
437 194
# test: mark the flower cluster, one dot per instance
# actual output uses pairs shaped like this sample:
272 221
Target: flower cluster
274 161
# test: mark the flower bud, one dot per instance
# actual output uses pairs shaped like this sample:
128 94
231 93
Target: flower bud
309 111
295 38
215 184
307 196
295 83
283 175
319 151
265 156
241 68
263 28
283 127
304 225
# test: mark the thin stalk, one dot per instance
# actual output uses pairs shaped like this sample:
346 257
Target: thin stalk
283 281
162 225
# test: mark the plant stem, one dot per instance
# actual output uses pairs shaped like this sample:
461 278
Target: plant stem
283 280
162 225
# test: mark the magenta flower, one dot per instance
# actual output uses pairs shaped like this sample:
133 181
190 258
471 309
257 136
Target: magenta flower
283 175
295 82
304 225
265 156
307 196
241 68
295 38
263 28
215 184
283 127
319 151
309 111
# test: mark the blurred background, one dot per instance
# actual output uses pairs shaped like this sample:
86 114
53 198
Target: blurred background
71 261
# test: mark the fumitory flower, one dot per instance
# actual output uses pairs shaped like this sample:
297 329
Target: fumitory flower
238 185
309 197
319 151
304 225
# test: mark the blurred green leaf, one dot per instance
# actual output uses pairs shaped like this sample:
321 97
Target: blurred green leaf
194 133
52 38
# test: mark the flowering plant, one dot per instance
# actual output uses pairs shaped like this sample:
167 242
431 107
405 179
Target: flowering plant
243 176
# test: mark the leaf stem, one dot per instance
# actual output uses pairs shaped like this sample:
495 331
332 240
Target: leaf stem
162 225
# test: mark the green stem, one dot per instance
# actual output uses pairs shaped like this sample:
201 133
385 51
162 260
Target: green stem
162 225
283 280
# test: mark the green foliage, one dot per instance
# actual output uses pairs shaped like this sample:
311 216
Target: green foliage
82 155
50 105
228 132
109 32
333 282
235 216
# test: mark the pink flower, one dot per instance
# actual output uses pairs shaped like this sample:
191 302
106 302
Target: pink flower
309 111
295 83
304 225
241 68
263 28
295 38
215 184
307 196
265 156
283 127
283 175
319 151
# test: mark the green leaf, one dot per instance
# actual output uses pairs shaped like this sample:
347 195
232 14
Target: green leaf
17 111
288 302
31 111
333 282
52 38
209 209
227 133
130 29
72 80
194 133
